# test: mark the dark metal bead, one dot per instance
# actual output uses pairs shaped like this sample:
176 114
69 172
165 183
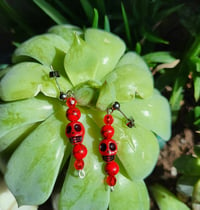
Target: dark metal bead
63 96
54 74
116 105
130 123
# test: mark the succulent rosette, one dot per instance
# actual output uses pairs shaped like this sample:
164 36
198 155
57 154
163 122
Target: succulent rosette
94 65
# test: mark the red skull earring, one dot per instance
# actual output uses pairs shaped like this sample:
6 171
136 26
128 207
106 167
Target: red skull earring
75 130
108 146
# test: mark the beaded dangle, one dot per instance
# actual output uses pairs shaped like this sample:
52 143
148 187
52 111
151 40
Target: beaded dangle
75 130
108 146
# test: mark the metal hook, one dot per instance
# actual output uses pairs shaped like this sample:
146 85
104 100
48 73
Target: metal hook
55 74
116 106
81 174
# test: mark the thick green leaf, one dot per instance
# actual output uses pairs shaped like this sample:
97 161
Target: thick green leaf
34 166
7 199
16 135
16 115
66 31
138 149
48 49
129 195
106 96
108 47
91 191
27 79
153 113
81 62
166 200
188 165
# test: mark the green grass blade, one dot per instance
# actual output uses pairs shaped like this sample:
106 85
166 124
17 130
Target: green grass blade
68 11
14 16
50 11
106 23
126 24
101 6
88 9
95 19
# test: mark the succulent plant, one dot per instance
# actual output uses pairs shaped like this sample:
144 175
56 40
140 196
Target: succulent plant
94 65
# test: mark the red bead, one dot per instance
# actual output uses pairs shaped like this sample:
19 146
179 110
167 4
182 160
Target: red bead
107 131
108 119
71 102
79 151
79 164
111 180
73 114
112 168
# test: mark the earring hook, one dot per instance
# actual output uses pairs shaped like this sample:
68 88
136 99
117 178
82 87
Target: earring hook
55 74
130 121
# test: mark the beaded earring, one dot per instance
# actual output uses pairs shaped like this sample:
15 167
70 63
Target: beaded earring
75 130
108 146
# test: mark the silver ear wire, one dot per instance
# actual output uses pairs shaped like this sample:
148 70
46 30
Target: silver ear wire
55 74
130 121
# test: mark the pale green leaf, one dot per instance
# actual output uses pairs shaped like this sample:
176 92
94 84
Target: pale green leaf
106 96
129 195
16 115
138 149
166 200
108 47
15 136
81 62
34 166
128 80
48 49
66 31
153 113
27 79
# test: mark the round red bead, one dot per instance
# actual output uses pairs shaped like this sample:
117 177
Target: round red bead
73 114
79 151
108 119
111 180
71 102
79 164
112 168
107 131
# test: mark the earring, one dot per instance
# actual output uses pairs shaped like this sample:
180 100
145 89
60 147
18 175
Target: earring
75 130
108 146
